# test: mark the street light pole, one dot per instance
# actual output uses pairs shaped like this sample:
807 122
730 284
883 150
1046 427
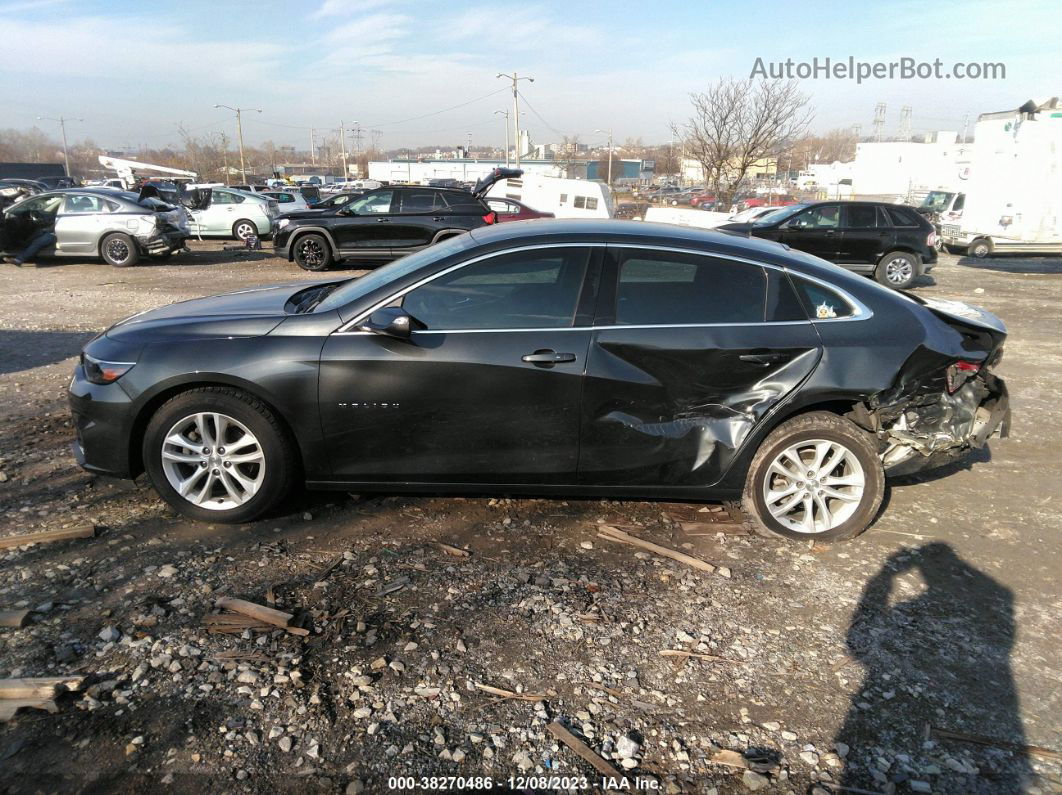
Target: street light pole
516 108
505 113
609 131
239 134
62 126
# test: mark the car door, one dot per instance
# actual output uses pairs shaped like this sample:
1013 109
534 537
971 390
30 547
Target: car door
418 214
488 392
365 223
689 352
79 223
219 217
815 230
863 235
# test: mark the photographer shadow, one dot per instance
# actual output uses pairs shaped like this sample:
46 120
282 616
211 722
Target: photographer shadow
936 659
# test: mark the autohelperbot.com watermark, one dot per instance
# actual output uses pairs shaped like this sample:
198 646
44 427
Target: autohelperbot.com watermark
851 68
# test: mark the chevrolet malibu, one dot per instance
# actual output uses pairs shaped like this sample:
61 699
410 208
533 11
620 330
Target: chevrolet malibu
603 358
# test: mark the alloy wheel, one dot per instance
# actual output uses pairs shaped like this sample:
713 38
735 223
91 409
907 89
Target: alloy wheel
117 249
899 270
244 231
311 253
213 461
814 486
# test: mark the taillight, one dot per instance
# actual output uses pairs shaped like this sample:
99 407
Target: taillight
959 373
490 218
931 240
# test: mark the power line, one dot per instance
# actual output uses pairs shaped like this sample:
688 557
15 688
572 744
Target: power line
538 115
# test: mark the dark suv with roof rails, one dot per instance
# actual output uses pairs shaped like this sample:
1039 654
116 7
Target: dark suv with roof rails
385 223
890 242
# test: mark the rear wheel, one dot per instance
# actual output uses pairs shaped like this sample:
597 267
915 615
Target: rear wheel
119 250
218 455
312 253
243 229
897 270
980 248
815 476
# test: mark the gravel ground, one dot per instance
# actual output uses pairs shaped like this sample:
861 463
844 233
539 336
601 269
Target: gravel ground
823 667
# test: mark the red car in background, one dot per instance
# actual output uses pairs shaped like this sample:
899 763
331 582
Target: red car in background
701 198
512 210
763 201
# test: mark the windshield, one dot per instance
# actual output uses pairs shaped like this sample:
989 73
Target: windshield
937 200
779 215
356 288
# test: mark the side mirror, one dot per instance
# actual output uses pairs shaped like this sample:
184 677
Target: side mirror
392 321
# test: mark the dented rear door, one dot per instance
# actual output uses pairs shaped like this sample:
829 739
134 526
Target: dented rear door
688 354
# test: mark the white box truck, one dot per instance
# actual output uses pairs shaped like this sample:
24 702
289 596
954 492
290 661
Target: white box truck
565 198
1014 192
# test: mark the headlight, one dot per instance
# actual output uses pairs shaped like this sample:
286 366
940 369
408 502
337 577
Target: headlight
283 222
98 371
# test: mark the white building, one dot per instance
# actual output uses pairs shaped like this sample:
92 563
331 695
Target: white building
900 168
465 169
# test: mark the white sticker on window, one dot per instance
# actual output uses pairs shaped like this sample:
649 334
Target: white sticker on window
824 310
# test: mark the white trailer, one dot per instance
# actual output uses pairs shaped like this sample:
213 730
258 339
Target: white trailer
1014 192
565 198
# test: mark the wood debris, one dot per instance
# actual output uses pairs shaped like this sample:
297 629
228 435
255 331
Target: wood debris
729 758
613 534
14 618
40 687
248 615
497 691
695 654
450 549
977 739
394 585
8 707
81 531
582 749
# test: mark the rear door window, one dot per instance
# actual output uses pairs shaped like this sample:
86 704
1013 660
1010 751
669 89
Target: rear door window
665 288
861 216
417 201
77 205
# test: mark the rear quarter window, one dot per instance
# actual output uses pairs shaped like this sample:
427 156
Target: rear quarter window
820 303
902 216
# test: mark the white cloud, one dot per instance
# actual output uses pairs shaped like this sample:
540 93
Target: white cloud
335 8
516 27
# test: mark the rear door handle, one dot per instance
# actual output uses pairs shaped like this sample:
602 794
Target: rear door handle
438 218
383 220
761 358
547 357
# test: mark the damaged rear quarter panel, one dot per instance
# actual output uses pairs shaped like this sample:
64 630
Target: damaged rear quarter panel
671 406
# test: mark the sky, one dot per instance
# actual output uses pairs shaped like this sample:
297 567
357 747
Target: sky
425 72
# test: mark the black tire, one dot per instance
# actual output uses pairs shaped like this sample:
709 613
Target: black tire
276 445
312 253
828 427
980 248
897 269
244 228
119 250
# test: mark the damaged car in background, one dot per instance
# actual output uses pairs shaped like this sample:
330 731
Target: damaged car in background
594 358
120 227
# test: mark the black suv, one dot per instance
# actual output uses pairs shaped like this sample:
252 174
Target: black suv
890 242
385 223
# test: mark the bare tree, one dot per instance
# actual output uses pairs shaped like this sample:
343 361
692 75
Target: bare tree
738 123
569 153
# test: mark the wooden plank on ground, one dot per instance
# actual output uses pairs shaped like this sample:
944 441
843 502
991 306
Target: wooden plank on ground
40 687
582 749
613 534
82 531
8 707
14 618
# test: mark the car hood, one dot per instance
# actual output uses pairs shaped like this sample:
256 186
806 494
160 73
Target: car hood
245 313
736 227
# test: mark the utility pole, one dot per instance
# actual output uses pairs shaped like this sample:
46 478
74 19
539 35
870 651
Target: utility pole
357 148
609 131
239 134
879 121
313 155
505 113
62 126
965 122
905 123
468 145
516 108
343 146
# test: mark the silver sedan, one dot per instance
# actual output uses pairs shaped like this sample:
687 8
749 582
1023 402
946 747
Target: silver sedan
118 226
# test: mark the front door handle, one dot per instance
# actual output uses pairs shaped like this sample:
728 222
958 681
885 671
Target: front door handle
761 358
438 218
383 220
547 357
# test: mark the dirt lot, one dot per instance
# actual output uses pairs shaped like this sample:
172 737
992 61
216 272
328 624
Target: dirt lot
830 666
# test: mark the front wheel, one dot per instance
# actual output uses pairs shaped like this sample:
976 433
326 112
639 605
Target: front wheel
312 253
980 248
119 250
897 270
815 476
217 454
